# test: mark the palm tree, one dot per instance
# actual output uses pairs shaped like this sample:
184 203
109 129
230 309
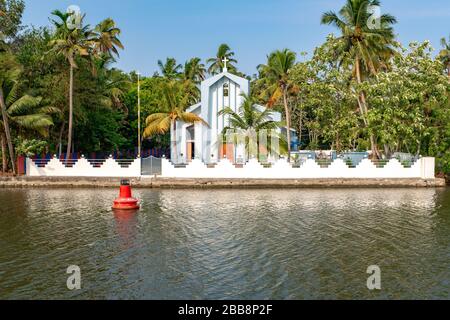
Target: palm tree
369 48
276 73
193 74
70 43
194 71
173 105
251 120
20 109
25 112
9 73
105 37
216 64
170 69
444 55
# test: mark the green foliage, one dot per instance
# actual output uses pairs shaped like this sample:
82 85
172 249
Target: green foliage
170 69
444 54
31 147
324 105
405 99
10 17
100 130
172 107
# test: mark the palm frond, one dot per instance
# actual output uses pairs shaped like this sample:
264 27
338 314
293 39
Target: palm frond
189 117
157 127
33 121
155 117
23 104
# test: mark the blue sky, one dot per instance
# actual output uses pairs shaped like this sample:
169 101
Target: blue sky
153 30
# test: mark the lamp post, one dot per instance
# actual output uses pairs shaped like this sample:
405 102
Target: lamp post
139 114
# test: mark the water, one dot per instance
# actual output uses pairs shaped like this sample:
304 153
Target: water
226 244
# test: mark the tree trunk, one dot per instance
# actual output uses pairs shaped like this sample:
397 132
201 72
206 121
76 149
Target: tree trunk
61 132
4 158
69 136
288 123
7 131
364 110
300 123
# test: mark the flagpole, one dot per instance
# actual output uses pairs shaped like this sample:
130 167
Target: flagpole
139 114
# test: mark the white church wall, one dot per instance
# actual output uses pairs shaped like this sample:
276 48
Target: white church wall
82 168
423 168
224 169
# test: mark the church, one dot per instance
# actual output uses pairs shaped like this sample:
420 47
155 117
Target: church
198 141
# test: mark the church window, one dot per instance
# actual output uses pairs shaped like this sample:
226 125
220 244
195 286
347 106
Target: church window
226 90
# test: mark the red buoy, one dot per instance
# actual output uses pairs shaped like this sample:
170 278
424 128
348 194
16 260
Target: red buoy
125 201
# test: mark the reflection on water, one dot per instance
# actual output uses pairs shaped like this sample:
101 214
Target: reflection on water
226 244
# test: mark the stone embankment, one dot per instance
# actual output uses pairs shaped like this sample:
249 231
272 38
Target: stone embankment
144 182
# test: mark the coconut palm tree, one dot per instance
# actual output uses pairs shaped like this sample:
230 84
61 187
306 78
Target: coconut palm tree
444 54
194 71
70 42
105 38
21 110
173 105
9 73
368 47
193 74
170 69
216 64
25 112
276 75
251 120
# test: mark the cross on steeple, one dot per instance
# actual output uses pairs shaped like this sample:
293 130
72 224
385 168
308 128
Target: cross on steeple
225 60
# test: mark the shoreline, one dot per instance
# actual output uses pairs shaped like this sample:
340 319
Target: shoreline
194 183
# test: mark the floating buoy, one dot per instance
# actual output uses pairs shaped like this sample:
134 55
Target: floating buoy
125 201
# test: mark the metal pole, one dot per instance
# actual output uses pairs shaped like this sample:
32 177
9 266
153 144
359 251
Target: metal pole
139 116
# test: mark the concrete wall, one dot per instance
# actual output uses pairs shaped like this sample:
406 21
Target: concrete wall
82 168
423 168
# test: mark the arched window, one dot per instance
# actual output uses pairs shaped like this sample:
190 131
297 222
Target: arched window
226 90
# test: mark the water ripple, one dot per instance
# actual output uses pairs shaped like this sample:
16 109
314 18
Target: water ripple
226 244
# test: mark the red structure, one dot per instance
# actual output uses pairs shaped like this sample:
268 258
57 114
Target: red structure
125 201
21 165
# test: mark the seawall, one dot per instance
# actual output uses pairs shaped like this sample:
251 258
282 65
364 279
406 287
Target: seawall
167 183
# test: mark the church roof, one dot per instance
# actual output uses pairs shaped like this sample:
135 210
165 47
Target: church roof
239 80
194 107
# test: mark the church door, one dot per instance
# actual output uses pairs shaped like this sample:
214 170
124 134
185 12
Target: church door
190 151
190 143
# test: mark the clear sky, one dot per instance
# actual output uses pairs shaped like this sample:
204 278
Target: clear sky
156 29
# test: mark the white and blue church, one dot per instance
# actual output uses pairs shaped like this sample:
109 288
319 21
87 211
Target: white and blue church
197 141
